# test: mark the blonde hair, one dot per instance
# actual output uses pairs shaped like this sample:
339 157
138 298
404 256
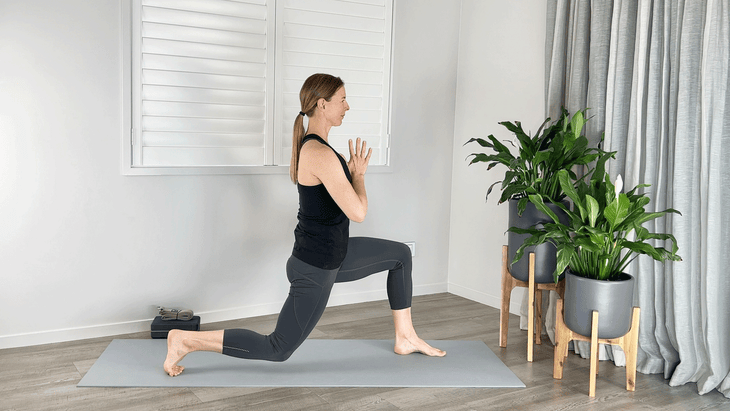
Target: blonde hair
315 87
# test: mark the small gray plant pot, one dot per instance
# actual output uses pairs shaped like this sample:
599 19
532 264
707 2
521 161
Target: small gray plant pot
612 299
545 254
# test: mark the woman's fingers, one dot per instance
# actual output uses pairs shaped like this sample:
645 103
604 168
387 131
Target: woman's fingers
360 148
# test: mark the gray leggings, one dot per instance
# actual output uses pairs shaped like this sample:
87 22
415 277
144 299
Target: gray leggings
310 290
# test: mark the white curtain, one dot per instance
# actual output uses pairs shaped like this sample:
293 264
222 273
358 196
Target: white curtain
655 75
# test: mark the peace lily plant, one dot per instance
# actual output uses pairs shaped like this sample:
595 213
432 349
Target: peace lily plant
605 231
534 170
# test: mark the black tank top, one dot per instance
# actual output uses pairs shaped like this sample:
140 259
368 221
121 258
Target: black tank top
320 238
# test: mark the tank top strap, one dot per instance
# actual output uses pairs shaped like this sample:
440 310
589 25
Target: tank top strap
315 137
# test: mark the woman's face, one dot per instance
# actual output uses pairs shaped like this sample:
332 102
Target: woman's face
334 110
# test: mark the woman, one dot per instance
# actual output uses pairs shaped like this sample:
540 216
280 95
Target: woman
331 193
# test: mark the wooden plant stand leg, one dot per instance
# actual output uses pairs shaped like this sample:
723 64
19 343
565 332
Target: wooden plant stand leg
563 336
531 308
560 288
630 345
538 315
534 296
629 342
508 284
594 355
506 293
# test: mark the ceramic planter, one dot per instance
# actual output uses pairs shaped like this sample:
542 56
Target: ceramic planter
545 259
612 299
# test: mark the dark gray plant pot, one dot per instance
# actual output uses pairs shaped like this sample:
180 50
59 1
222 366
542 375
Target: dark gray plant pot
545 258
612 299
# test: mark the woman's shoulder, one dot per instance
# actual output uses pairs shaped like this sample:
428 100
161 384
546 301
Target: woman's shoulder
316 160
316 151
313 146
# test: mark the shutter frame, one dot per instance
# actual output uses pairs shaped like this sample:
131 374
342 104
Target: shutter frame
202 91
364 66
155 102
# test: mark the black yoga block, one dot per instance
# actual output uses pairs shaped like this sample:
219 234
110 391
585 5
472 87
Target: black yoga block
161 327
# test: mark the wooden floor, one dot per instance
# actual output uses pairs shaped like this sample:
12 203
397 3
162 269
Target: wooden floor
45 377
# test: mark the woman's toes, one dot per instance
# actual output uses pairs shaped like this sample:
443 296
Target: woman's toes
175 370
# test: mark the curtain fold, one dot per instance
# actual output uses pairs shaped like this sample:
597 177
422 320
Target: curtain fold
655 76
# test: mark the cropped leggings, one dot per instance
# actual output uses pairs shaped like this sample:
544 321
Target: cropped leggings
310 289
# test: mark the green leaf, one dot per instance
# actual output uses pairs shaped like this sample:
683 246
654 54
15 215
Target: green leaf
658 254
599 172
598 239
569 190
650 216
642 233
518 230
511 190
537 238
482 158
540 205
617 210
565 254
521 205
630 193
481 141
544 123
577 124
499 147
490 190
586 243
593 210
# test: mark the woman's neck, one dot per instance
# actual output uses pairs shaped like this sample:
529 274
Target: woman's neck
319 127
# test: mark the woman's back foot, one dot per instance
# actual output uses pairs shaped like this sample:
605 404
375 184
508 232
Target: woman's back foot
176 350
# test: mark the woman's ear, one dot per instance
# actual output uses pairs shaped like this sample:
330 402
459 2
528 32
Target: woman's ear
320 103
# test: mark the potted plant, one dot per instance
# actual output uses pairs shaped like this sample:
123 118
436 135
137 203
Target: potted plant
603 234
534 171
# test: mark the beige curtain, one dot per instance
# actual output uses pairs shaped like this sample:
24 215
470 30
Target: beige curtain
656 78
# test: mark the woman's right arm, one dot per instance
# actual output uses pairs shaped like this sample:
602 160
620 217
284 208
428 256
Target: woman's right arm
351 198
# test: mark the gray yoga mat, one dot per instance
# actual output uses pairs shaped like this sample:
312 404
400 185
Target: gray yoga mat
317 363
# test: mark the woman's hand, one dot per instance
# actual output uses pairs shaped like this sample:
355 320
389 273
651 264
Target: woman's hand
358 163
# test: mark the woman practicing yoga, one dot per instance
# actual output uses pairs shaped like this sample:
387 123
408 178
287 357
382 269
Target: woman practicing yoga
331 193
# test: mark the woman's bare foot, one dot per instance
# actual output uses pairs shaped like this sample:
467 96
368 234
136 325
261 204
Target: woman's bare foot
409 345
176 351
406 339
181 343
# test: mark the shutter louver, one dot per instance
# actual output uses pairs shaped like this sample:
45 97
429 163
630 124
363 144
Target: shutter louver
350 40
203 81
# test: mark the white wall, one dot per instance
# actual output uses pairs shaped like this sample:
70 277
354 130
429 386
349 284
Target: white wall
500 77
85 251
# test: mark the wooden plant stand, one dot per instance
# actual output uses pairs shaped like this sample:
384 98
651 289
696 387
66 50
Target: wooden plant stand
628 342
534 291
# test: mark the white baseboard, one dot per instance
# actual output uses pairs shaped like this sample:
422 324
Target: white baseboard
106 330
487 299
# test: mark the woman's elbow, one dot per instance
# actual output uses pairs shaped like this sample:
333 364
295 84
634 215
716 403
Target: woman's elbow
358 216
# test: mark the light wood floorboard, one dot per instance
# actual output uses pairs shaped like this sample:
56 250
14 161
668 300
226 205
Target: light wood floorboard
45 377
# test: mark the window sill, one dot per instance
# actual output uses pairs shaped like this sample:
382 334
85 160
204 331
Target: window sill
223 170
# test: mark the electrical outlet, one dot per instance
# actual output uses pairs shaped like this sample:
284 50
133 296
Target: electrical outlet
412 246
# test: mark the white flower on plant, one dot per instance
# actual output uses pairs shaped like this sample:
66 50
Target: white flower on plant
619 185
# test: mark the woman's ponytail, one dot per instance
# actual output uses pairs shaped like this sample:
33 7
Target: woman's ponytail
296 146
315 87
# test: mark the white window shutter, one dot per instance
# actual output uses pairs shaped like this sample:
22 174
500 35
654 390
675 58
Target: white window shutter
351 40
201 76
